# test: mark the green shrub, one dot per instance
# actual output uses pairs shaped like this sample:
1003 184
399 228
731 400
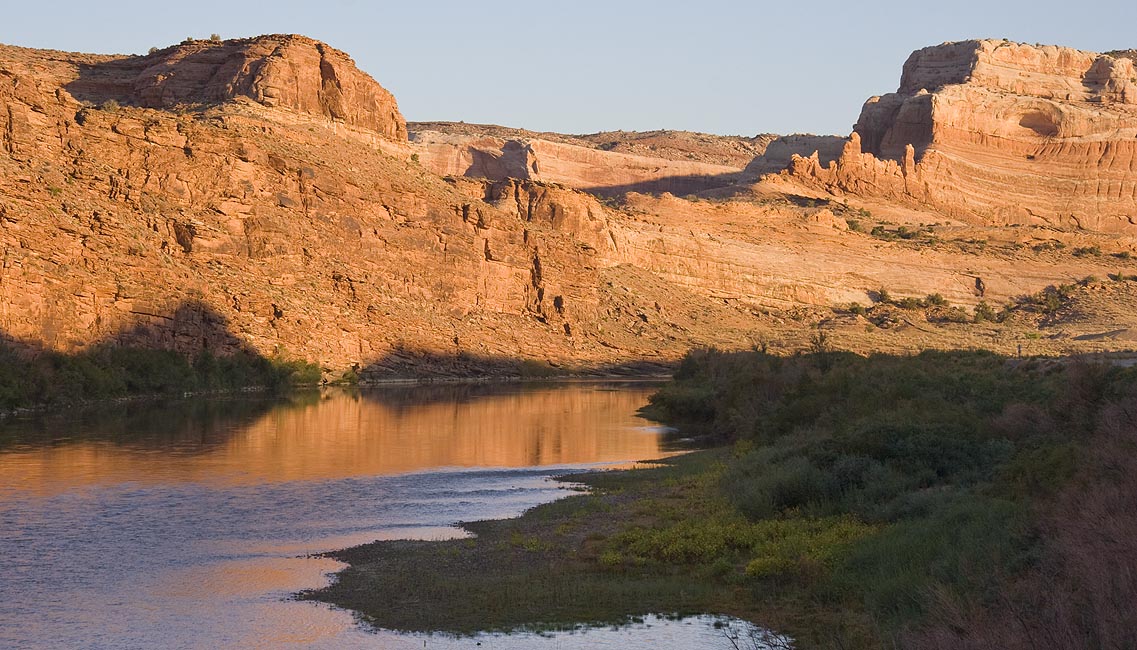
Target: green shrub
935 300
910 303
960 547
984 312
760 488
105 372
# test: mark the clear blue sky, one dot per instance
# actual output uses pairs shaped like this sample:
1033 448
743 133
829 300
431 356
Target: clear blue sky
583 66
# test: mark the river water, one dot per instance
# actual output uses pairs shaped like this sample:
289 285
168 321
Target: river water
189 525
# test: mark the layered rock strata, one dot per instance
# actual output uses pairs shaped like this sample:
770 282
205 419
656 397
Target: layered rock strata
999 133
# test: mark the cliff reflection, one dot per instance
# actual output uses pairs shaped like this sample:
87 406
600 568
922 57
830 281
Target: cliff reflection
334 435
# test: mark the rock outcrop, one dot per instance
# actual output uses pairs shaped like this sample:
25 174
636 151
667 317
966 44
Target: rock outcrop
999 133
282 71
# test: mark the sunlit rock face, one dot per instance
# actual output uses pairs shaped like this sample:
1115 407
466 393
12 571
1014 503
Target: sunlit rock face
261 195
280 70
1000 132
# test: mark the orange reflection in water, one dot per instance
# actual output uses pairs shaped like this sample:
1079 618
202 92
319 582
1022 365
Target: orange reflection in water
386 431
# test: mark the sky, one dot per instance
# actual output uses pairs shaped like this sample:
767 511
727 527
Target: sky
732 68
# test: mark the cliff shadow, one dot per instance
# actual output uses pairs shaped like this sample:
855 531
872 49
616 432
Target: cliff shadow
780 152
98 83
157 79
777 157
193 327
676 185
189 350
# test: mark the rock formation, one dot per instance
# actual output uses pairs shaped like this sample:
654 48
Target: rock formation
576 165
259 194
999 133
284 71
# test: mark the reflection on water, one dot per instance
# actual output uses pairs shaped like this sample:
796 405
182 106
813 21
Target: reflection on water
187 525
334 436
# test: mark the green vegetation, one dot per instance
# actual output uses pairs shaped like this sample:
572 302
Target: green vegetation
923 234
984 313
855 499
108 372
1053 245
938 464
1049 300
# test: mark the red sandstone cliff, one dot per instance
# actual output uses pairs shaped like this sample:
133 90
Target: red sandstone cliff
259 194
999 133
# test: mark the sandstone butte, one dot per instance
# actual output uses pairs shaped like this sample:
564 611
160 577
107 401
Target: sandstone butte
264 194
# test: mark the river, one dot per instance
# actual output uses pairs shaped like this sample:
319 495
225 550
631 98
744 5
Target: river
190 524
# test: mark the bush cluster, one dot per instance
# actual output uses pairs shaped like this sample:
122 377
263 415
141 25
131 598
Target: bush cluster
107 372
930 464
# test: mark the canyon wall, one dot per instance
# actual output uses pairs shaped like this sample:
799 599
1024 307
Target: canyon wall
260 195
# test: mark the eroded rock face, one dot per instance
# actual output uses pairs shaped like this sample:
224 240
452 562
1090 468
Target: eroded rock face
999 132
285 71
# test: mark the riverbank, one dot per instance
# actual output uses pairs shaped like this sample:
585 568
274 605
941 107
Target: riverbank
555 567
932 501
35 381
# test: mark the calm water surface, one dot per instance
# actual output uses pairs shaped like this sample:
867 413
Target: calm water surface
188 525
